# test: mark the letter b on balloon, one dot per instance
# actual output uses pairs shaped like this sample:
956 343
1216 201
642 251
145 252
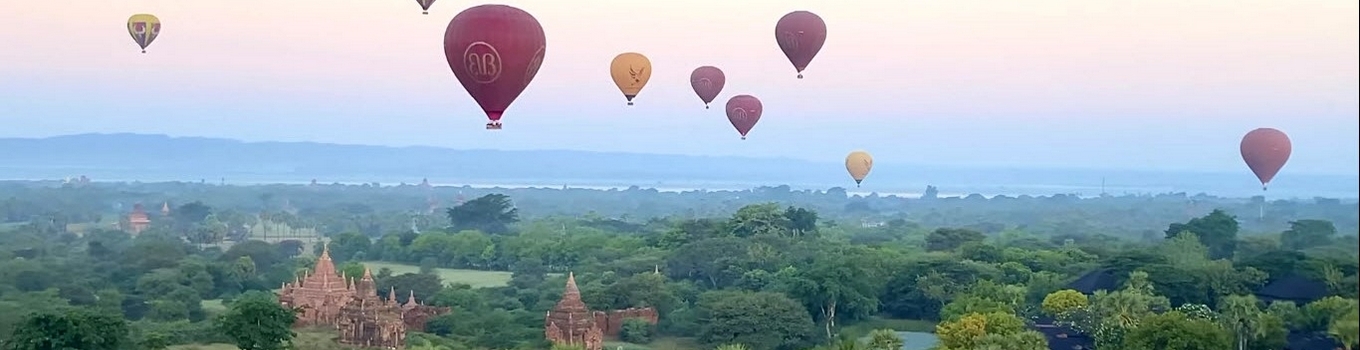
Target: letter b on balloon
483 62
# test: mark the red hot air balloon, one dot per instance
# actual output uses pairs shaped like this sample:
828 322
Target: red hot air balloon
801 35
425 6
744 111
707 82
495 51
1265 150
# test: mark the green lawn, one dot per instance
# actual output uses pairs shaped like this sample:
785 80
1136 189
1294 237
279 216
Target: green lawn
213 306
663 343
474 278
309 339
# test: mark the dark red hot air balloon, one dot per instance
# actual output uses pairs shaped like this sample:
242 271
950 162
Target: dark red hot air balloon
707 82
801 35
425 6
744 111
1266 150
495 51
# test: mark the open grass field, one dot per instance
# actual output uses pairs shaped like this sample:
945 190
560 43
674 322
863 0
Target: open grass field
663 343
474 278
213 306
309 339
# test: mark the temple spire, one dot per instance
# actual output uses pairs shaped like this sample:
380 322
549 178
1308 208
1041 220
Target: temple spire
411 298
571 291
324 266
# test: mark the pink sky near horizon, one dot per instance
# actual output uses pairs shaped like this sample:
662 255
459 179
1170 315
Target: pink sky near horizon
917 69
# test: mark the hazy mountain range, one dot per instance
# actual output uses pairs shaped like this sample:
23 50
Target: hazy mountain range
138 157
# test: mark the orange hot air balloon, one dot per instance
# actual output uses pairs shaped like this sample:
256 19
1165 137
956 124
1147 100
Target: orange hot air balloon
1265 150
858 164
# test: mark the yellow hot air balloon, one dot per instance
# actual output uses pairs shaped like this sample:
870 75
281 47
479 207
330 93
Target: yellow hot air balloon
858 163
630 71
144 29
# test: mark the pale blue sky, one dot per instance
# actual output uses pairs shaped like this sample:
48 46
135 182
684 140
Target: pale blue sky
1154 84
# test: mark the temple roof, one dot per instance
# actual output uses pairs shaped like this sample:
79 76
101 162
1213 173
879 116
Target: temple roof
571 298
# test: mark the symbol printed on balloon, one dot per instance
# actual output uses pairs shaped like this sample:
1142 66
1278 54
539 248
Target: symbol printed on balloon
534 64
706 83
155 29
634 72
789 40
740 113
483 62
139 28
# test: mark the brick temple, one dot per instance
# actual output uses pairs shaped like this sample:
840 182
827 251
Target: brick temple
328 298
572 323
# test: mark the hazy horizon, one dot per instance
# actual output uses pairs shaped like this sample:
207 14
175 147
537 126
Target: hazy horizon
1156 85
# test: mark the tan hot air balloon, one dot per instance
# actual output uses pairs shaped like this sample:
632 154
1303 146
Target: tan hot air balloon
858 163
630 71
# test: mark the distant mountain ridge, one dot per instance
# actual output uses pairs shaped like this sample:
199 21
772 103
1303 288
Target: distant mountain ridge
159 158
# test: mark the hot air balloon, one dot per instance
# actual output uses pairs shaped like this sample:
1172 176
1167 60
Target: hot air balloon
1265 150
495 51
800 35
707 82
630 71
858 163
425 6
744 111
144 29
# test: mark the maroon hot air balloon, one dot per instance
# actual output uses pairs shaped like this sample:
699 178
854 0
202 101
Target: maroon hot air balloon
495 51
1266 150
425 6
744 111
801 35
707 82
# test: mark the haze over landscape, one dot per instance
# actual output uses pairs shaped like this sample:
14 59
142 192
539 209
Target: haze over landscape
132 157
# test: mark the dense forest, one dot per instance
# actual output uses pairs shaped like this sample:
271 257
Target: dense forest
764 269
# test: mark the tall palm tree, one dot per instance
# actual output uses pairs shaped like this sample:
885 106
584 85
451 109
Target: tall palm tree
1241 315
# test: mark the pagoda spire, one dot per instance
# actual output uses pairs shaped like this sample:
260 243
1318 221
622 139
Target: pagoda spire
324 266
411 298
571 291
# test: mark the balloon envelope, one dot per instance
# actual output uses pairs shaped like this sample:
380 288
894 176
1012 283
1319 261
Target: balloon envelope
495 51
1265 150
630 71
144 29
858 164
744 111
707 82
800 35
425 5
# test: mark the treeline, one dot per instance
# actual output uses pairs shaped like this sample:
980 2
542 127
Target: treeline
375 210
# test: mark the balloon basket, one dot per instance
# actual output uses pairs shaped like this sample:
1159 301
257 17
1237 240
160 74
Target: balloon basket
424 12
630 103
743 137
800 75
143 51
705 106
493 126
